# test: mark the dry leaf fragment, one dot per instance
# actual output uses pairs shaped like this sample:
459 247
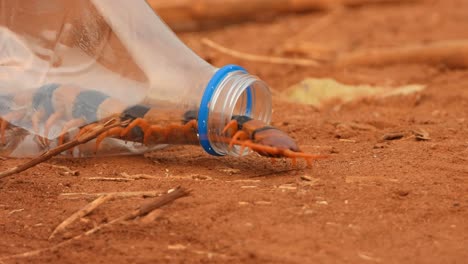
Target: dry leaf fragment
314 91
306 178
176 247
421 134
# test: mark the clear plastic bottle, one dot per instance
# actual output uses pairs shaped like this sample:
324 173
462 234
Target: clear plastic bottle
124 49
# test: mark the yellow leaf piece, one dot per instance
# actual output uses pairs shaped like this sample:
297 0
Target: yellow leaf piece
317 91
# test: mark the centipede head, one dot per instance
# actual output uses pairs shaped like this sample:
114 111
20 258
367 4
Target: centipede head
264 139
279 152
274 143
275 138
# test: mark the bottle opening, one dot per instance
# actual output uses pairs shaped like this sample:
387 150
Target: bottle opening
231 91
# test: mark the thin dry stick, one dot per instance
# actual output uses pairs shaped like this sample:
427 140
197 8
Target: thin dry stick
125 177
139 176
88 136
453 54
81 213
167 198
65 171
110 179
259 58
114 194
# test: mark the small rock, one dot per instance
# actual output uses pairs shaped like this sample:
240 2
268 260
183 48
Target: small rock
344 131
393 136
379 146
201 177
402 193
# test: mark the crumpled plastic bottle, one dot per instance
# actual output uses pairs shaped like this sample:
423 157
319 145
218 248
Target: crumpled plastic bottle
122 49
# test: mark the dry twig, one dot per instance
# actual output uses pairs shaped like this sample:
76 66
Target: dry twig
65 171
259 58
452 54
119 179
139 176
16 211
145 209
81 213
113 194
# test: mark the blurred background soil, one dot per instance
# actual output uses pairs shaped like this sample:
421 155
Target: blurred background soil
375 200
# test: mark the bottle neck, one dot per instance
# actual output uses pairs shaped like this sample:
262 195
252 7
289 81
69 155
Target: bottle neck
231 91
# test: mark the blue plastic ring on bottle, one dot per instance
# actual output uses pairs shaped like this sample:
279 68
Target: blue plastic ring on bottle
204 111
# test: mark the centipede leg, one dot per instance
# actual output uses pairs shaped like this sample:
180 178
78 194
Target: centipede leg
239 135
188 129
81 132
113 132
6 120
143 124
262 150
3 127
69 125
232 127
244 145
50 122
35 120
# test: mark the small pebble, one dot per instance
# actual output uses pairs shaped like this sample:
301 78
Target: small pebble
393 136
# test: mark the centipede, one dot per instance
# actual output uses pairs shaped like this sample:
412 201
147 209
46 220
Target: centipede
71 107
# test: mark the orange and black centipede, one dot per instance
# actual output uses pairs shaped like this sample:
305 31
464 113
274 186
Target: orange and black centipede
84 108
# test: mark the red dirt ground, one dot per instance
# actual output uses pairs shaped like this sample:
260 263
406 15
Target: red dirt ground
400 201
